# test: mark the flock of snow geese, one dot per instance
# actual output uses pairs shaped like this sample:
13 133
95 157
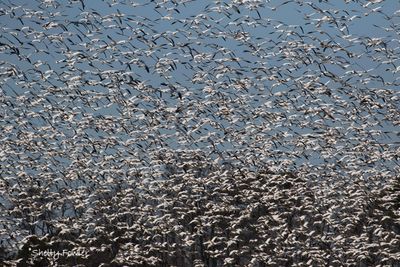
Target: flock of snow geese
200 133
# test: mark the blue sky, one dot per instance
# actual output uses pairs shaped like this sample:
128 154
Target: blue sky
205 58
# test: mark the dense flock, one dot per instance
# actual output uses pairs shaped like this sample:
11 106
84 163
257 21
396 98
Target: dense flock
200 133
